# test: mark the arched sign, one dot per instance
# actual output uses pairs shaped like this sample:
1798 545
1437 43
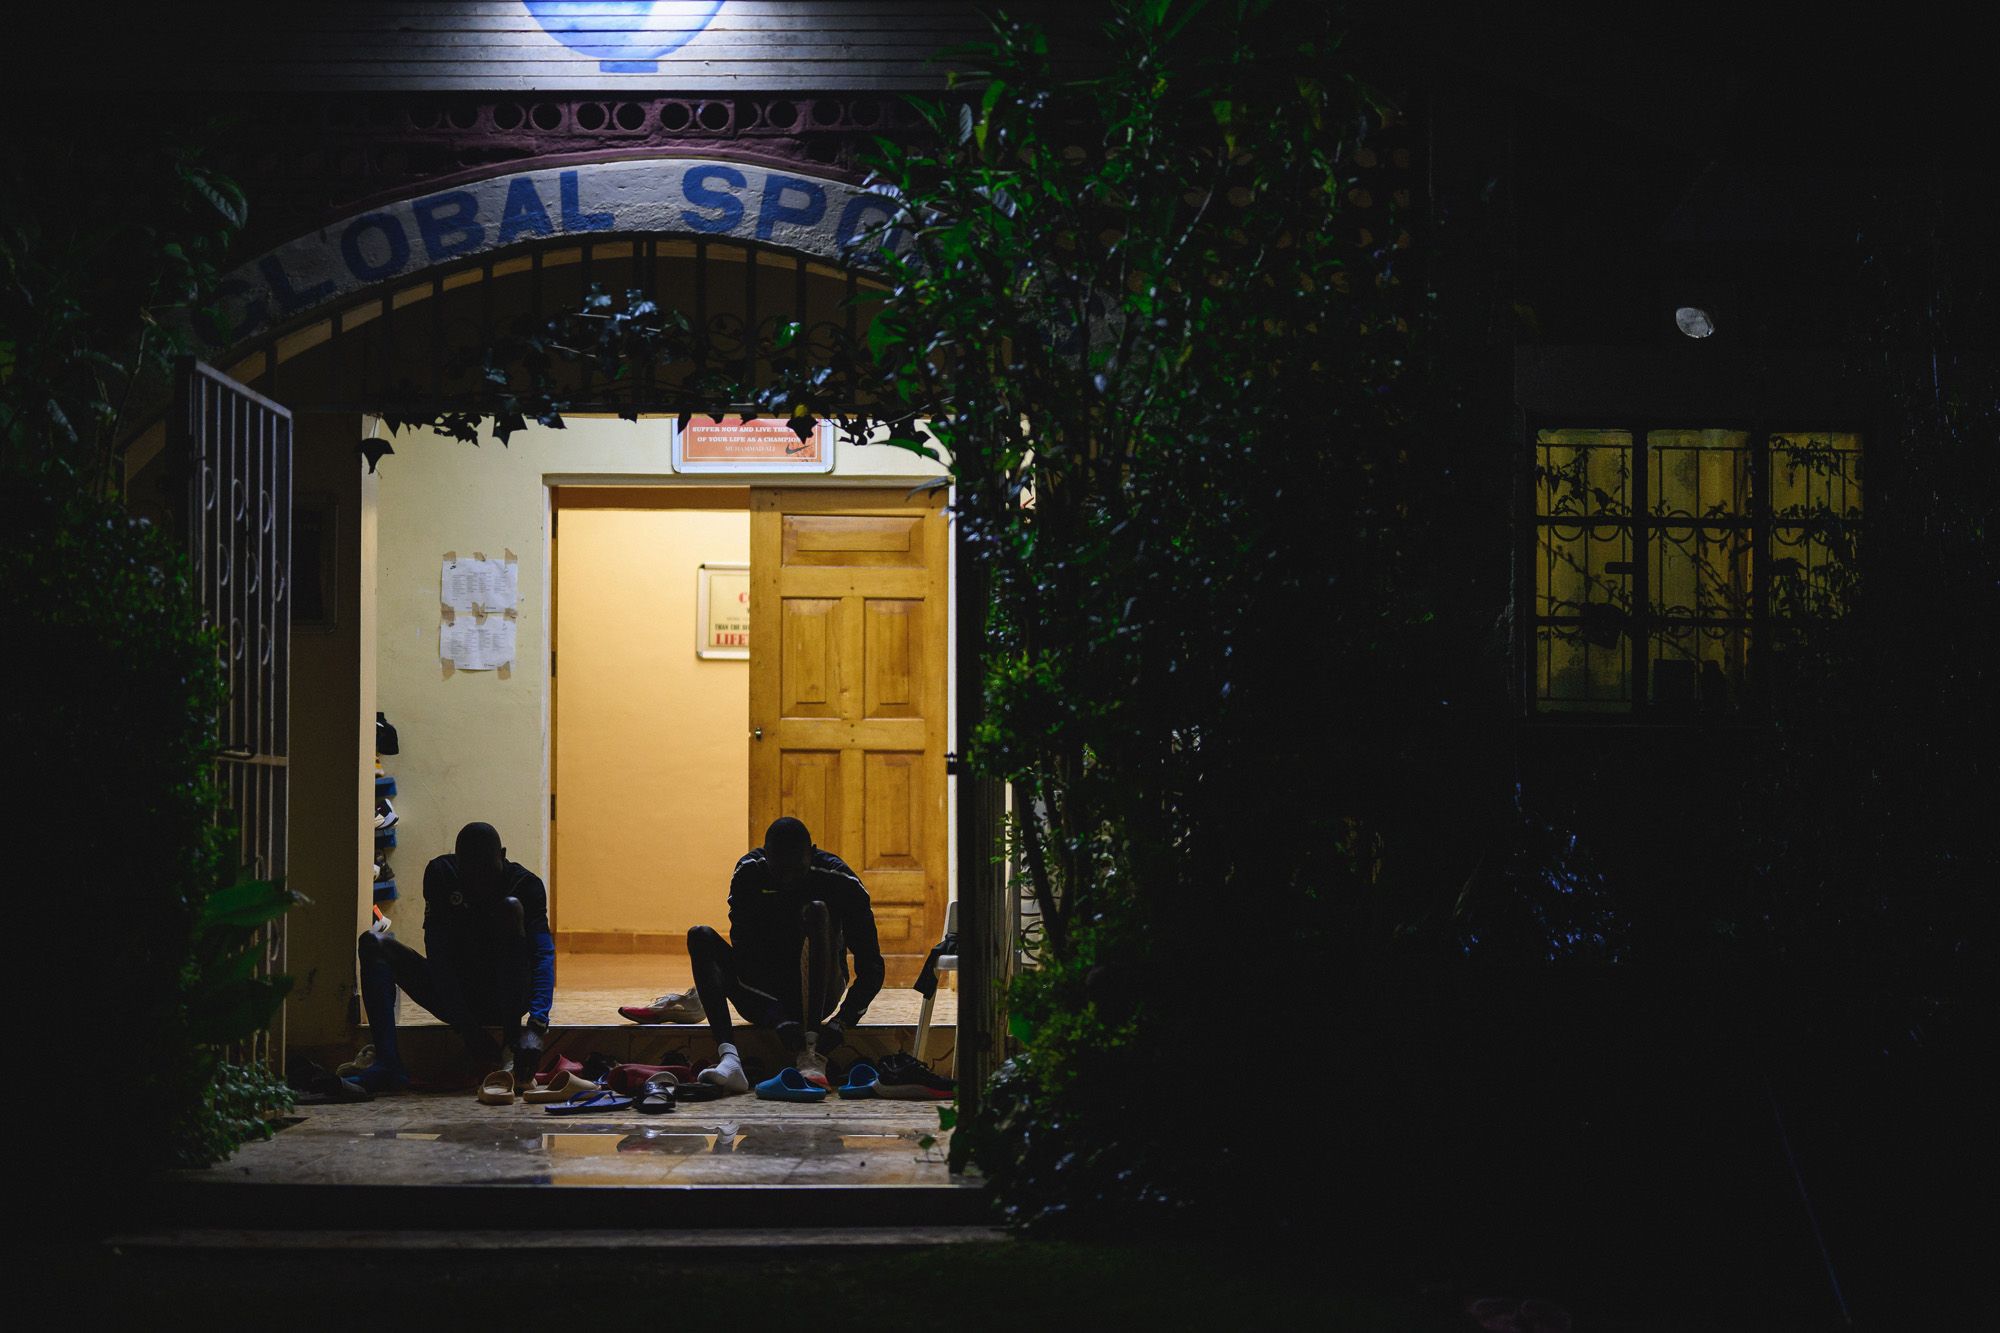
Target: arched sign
675 196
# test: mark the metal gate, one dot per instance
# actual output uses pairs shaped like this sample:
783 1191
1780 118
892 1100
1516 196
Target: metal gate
236 446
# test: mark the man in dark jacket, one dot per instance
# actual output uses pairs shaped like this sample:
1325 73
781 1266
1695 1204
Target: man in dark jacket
795 913
489 958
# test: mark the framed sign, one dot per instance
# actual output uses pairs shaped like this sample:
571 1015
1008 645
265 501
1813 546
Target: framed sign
759 444
722 611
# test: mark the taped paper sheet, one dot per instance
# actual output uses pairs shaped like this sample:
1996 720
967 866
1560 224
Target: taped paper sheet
477 643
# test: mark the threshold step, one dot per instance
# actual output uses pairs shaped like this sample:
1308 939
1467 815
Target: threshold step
751 1242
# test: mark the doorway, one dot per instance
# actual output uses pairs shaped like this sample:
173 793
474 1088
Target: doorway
667 762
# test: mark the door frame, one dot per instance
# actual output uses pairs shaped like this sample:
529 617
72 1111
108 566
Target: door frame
670 491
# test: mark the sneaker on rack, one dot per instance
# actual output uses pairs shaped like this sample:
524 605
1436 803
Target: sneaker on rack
906 1078
383 872
385 814
679 1006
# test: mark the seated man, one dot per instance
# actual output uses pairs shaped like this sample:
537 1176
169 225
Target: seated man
486 927
795 913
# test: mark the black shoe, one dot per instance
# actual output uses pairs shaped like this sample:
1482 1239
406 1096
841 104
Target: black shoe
906 1078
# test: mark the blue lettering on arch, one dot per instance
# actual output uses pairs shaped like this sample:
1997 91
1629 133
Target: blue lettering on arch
392 235
524 211
574 218
774 210
449 224
851 224
729 207
288 297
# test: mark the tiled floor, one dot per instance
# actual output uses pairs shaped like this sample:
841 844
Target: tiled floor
591 986
450 1139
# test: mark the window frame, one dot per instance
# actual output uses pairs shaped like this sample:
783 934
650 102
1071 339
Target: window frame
1645 621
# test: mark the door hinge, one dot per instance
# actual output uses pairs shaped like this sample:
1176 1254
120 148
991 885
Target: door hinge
951 763
552 664
552 807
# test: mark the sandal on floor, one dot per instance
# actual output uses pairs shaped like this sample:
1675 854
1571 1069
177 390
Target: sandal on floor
861 1079
563 1087
658 1094
789 1085
588 1103
497 1088
700 1092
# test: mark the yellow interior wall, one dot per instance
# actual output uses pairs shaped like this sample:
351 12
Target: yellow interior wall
652 771
476 744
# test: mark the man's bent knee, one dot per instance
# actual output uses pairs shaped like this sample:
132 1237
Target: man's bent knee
702 938
814 912
369 945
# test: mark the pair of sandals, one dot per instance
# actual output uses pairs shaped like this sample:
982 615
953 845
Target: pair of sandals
789 1085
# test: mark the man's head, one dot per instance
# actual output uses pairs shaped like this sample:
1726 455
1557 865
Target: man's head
788 846
481 858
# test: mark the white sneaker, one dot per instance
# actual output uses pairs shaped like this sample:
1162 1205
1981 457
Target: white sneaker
386 816
674 1007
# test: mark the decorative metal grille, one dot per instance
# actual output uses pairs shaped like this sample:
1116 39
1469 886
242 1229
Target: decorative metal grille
237 447
1664 606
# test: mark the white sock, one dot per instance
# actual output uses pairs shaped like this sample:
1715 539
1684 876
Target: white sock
728 1070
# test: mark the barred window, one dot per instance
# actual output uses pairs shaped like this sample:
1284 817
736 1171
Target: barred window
1666 561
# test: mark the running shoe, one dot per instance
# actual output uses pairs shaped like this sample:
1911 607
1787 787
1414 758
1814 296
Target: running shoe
385 814
903 1077
678 1006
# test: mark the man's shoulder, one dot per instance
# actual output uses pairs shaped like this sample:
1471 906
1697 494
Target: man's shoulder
522 880
824 862
753 870
440 874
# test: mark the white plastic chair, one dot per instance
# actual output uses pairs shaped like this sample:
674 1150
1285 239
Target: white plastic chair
945 963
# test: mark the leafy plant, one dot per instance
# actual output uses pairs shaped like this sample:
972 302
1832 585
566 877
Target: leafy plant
113 706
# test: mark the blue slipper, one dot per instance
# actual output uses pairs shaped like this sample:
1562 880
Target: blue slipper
860 1081
601 1100
789 1085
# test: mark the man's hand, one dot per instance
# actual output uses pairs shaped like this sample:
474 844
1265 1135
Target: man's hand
831 1036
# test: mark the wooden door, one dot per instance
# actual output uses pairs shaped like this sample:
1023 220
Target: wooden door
848 664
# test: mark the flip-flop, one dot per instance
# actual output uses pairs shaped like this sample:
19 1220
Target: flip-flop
563 1087
657 1096
700 1092
588 1103
789 1085
497 1088
861 1079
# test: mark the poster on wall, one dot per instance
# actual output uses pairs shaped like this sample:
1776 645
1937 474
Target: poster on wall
722 611
759 444
479 603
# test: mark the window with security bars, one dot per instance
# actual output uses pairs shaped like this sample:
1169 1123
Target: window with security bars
1671 564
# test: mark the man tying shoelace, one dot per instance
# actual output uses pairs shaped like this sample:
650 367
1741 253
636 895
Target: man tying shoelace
795 914
489 958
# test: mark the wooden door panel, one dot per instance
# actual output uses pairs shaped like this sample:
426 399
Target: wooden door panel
809 790
848 692
892 657
810 649
853 539
892 812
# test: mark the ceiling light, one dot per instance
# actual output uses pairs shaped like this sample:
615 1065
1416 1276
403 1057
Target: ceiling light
1694 321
